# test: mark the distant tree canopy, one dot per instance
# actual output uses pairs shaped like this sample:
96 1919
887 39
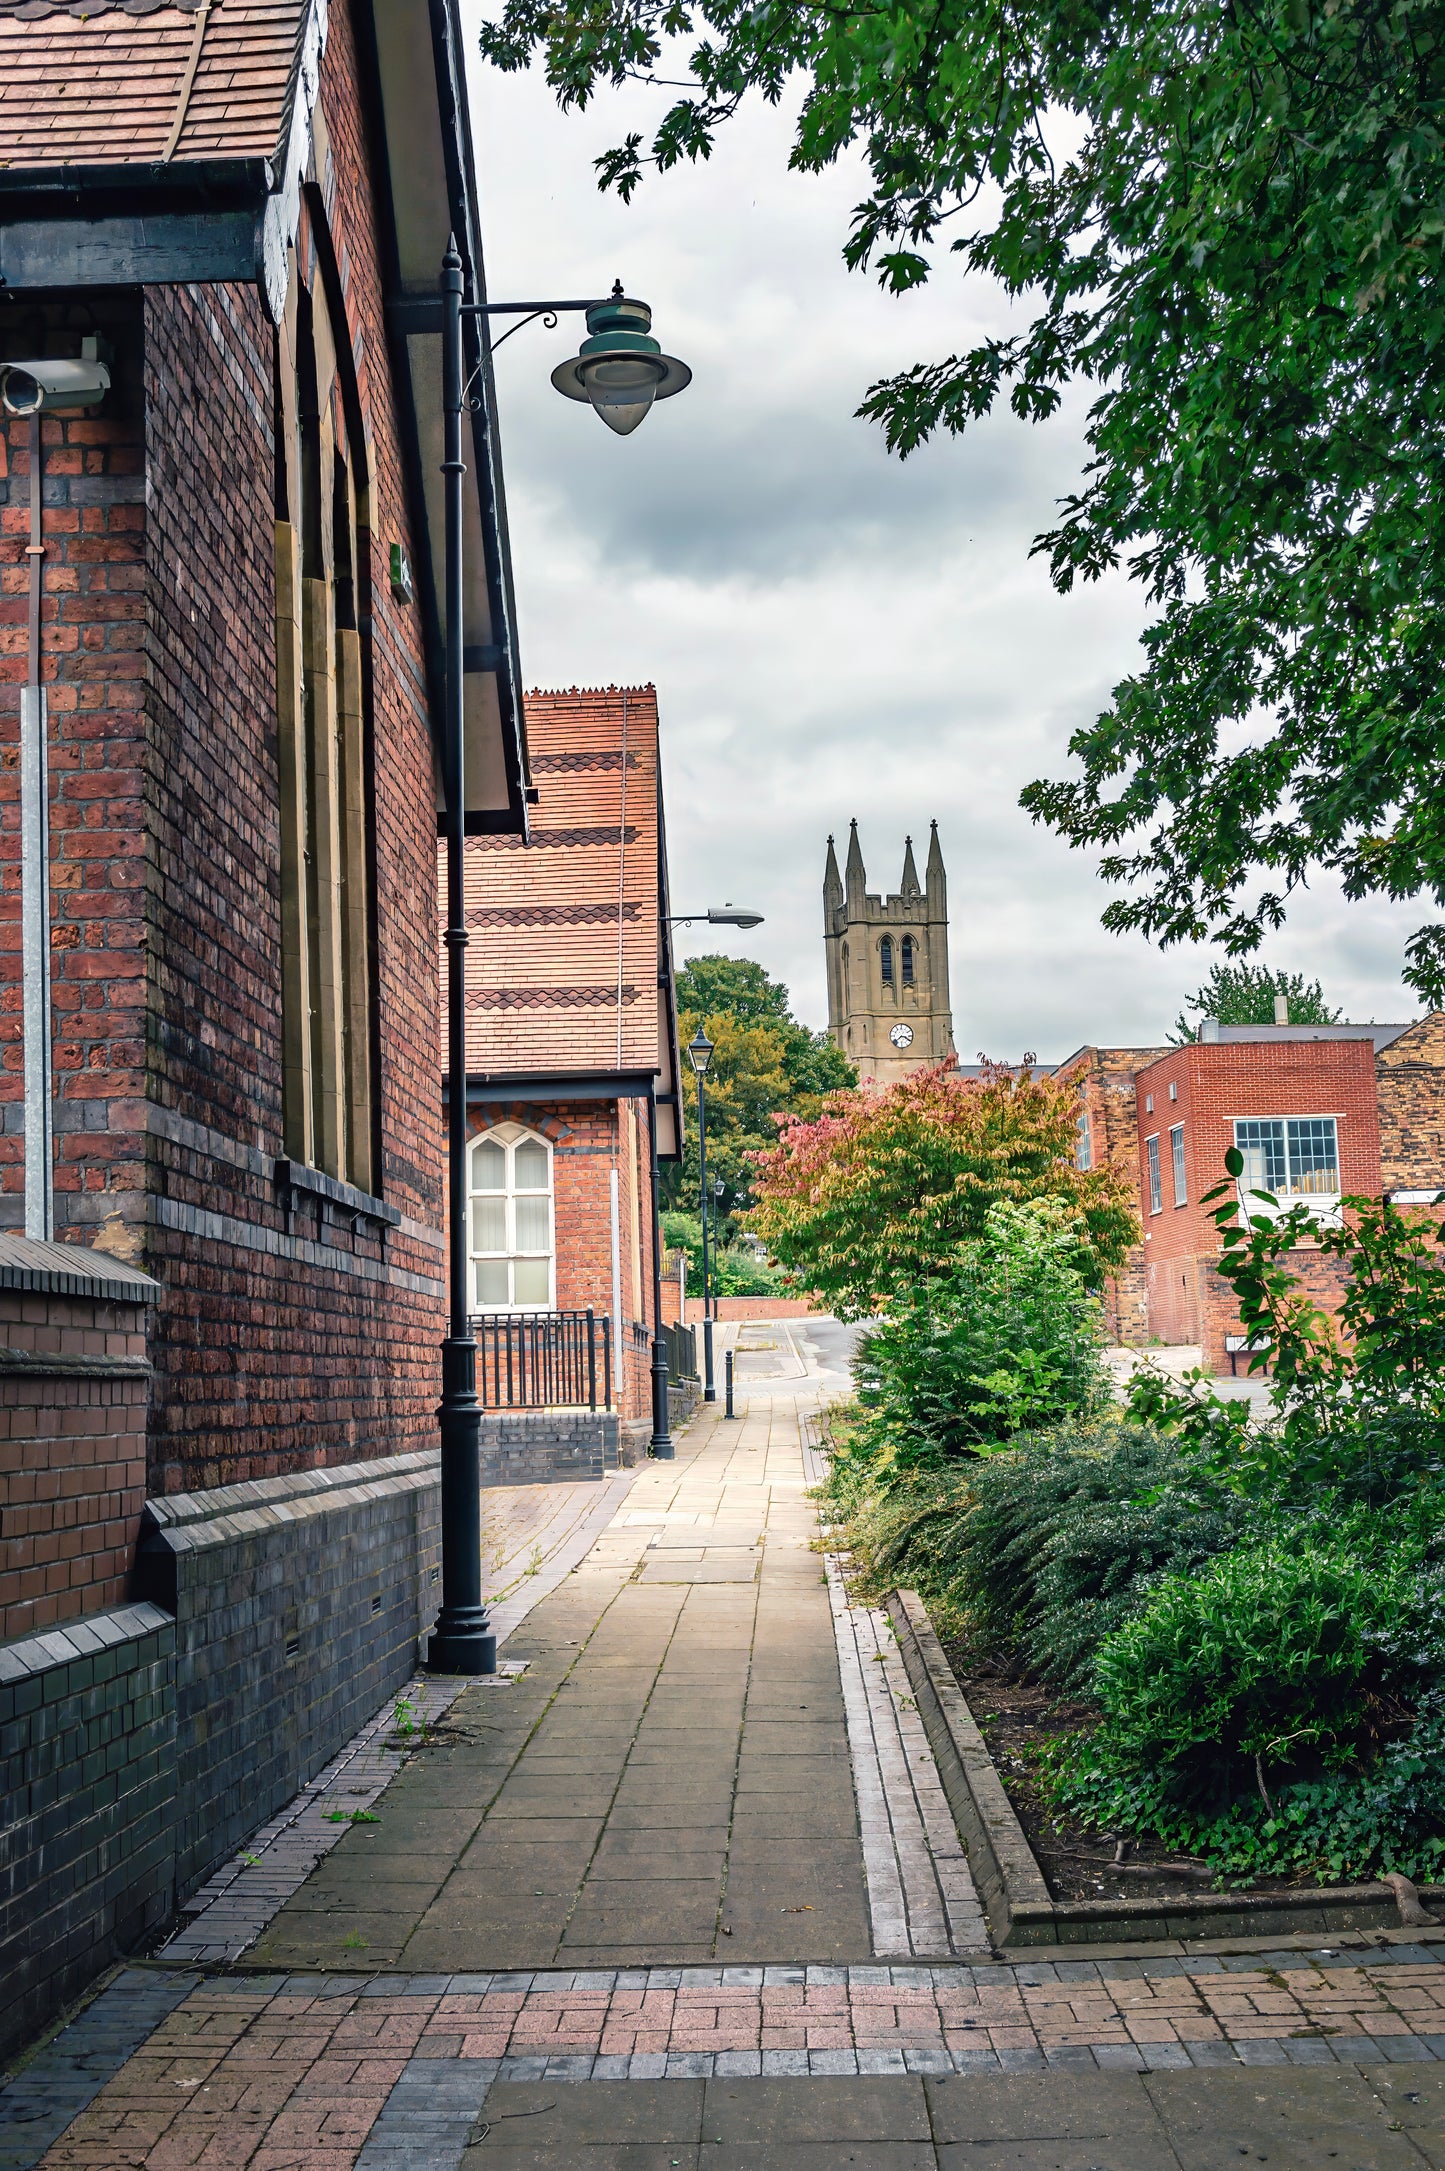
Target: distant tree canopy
1244 995
765 1064
887 1189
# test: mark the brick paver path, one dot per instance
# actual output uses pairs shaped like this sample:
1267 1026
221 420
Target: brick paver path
326 2073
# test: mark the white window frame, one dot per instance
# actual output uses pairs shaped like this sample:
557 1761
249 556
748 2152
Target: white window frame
1176 1156
1323 1205
1084 1150
1151 1162
509 1136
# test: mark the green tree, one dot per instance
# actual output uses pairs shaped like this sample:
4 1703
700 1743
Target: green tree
1241 256
1006 1341
1244 995
887 1190
765 1065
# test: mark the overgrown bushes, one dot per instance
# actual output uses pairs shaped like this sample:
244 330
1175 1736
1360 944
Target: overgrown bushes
1042 1551
1006 1340
1255 1608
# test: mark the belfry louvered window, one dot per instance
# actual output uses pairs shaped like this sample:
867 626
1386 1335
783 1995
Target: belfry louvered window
906 948
885 959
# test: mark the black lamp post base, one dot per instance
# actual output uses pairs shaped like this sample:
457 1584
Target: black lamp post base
660 1446
464 1650
709 1382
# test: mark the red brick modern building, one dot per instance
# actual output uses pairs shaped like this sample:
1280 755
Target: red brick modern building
572 1052
1108 1131
221 227
1319 1113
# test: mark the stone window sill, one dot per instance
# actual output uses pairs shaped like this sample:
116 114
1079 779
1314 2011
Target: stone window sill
295 1176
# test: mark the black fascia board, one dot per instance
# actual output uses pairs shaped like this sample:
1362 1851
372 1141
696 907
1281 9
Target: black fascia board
667 972
205 183
512 820
486 439
596 1085
408 435
79 226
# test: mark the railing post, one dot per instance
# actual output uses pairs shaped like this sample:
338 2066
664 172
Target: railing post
591 1359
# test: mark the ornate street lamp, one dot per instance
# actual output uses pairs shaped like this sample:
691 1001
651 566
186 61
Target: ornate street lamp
621 370
699 1054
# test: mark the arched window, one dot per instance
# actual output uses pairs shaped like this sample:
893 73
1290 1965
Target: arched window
907 947
323 609
885 953
511 1221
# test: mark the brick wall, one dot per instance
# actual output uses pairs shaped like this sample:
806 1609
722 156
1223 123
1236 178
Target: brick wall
93 634
73 1381
1410 1077
1213 1083
291 1332
740 1307
87 1794
1104 1078
299 1603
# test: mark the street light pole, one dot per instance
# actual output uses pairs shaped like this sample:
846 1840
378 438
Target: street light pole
660 1446
620 369
699 1054
462 1641
709 1384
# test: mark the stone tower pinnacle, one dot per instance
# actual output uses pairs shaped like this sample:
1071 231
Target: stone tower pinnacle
832 884
887 961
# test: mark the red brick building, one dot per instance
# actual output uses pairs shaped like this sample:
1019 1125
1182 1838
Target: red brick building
221 668
242 701
1319 1112
572 1052
1108 1131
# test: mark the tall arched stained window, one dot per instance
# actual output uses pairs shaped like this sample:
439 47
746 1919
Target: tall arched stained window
510 1202
907 961
885 953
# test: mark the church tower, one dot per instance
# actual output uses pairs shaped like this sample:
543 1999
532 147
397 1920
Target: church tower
888 999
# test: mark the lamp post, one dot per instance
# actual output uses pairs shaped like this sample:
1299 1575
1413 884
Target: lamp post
660 1446
699 1054
620 370
718 916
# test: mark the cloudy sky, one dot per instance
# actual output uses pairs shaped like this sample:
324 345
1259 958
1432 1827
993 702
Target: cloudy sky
831 633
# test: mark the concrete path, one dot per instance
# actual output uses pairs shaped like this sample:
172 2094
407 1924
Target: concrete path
684 1893
668 1783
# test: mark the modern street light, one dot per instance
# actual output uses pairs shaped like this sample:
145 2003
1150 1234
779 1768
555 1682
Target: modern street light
699 1054
718 916
621 371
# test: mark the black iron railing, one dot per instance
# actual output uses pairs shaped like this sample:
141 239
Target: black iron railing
681 1353
543 1360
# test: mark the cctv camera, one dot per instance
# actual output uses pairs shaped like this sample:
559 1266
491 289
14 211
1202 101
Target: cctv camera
28 388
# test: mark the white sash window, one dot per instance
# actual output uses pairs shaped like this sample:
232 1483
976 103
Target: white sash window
511 1242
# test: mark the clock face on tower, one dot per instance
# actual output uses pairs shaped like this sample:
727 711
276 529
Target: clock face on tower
902 1036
